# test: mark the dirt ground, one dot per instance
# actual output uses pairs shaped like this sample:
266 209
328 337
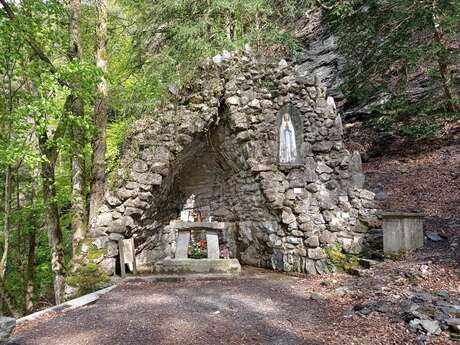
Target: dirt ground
260 307
416 175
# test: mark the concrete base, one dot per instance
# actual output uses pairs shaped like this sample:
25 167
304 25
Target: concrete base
176 277
402 232
187 266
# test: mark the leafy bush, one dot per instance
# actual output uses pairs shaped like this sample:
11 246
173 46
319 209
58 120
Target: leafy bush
420 129
88 278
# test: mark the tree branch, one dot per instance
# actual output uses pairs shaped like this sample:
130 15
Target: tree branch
10 14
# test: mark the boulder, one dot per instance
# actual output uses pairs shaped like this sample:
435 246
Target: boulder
107 265
7 325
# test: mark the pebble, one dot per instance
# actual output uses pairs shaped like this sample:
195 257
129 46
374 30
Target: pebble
443 293
433 236
316 296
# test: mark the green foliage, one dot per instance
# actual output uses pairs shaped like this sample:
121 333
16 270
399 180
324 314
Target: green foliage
88 278
387 43
116 133
425 128
32 97
170 38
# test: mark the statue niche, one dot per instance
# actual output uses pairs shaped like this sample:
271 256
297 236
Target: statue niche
290 136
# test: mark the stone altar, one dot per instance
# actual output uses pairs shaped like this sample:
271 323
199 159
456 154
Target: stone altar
181 264
212 239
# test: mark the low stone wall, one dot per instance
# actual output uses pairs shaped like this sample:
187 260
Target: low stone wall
220 140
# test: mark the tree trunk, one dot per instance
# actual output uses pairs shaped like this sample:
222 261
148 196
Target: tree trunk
75 106
30 271
6 223
8 187
52 218
31 239
78 181
100 114
20 240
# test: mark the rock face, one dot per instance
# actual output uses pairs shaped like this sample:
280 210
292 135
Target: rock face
321 56
7 325
219 140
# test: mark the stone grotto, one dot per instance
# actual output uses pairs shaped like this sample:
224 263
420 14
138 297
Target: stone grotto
249 143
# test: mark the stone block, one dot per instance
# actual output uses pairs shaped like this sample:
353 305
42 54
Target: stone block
115 237
321 267
327 237
99 242
322 146
294 240
312 241
287 216
104 219
140 166
233 100
212 242
130 211
402 232
107 265
148 178
191 266
132 185
112 200
183 240
322 168
316 253
122 224
309 266
111 249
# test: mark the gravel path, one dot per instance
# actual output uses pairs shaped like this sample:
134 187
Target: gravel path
260 307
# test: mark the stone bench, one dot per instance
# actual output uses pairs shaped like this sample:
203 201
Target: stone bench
402 231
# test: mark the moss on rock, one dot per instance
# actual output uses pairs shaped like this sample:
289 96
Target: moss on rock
340 261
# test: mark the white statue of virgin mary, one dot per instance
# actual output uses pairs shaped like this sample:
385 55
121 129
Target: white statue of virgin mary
288 149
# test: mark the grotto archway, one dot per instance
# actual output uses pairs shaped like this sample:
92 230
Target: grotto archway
220 140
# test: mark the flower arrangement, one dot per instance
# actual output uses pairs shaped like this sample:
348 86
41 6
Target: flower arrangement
198 250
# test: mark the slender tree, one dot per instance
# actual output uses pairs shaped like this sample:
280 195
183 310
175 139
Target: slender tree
74 104
6 223
100 113
31 241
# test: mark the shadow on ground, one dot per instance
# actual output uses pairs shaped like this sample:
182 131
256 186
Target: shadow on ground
243 311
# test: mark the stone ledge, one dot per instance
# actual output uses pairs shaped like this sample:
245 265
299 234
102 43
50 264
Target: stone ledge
187 266
199 225
68 305
396 214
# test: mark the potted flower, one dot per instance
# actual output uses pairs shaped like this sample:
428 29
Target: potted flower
198 250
